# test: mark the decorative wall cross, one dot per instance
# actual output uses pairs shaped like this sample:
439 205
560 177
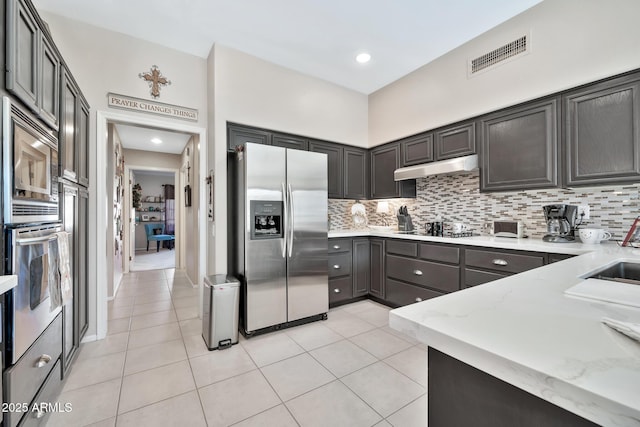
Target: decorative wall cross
155 80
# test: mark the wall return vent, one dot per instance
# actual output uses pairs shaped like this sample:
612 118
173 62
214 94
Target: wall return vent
499 55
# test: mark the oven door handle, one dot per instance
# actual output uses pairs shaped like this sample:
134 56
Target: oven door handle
35 240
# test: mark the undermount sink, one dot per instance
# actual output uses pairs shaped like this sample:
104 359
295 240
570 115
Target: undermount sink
624 272
617 283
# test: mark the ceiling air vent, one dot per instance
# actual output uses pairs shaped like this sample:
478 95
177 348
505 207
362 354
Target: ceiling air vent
501 54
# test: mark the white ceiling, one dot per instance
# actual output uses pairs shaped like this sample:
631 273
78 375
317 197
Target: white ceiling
139 138
317 37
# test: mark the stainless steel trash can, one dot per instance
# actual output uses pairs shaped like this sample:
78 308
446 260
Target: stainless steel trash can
220 311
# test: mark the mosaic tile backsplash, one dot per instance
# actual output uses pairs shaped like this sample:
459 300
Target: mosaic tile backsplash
457 198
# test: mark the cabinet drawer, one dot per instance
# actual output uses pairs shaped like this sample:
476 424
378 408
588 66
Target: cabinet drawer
445 278
339 245
340 289
22 380
440 253
48 394
478 277
402 248
501 261
557 257
399 293
340 264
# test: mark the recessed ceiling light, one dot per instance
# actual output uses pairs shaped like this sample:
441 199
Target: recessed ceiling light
156 140
363 57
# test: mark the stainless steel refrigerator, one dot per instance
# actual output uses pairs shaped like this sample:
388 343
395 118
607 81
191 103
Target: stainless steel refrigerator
278 242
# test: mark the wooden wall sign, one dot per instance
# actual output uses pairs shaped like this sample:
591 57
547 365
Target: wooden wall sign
137 104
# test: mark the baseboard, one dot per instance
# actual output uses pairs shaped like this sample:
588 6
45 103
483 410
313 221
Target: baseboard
89 338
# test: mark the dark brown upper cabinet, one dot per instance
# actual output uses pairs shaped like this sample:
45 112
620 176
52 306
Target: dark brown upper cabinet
68 133
289 141
519 147
417 149
32 62
356 173
602 132
239 135
335 161
83 143
384 160
455 141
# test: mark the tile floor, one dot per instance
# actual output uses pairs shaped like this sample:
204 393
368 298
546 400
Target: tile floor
152 260
153 368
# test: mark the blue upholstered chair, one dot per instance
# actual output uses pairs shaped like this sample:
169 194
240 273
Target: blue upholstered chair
158 236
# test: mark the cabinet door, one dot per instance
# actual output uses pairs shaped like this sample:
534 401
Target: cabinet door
384 161
520 148
23 41
417 149
82 297
376 285
49 93
83 143
239 135
355 173
335 156
68 133
361 272
602 133
455 141
289 141
70 341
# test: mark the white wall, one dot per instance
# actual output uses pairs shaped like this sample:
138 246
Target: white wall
104 61
251 91
573 42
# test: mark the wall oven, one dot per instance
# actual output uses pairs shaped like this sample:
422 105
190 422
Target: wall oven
29 167
27 310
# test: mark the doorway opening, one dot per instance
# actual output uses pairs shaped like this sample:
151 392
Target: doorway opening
153 225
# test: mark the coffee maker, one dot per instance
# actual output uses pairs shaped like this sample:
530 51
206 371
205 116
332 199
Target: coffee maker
561 223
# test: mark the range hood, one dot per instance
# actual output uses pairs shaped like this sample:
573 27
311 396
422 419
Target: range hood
443 167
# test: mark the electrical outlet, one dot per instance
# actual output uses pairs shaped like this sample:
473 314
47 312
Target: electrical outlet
584 211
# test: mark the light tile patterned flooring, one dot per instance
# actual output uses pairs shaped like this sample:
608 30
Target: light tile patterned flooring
153 369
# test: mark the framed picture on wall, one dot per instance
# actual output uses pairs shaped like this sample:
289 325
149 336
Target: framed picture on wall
145 217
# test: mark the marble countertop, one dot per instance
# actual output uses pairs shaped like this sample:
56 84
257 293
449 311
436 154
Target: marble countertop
525 244
524 330
7 283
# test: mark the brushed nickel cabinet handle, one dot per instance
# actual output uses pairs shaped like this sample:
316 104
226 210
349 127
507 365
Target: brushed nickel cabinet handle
418 299
499 261
417 272
337 267
42 361
336 246
336 290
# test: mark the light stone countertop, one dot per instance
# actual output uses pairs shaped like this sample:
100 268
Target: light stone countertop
526 244
7 283
525 331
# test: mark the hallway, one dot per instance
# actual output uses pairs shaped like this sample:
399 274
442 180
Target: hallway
153 368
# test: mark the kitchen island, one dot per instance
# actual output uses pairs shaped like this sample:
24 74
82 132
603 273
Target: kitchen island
524 331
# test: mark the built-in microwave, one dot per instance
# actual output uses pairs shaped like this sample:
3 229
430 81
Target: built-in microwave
29 167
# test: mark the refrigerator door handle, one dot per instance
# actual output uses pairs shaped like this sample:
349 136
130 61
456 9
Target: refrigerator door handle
291 223
285 221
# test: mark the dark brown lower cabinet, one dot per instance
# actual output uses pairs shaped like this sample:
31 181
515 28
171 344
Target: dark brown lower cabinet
340 276
360 267
398 293
75 318
461 395
376 264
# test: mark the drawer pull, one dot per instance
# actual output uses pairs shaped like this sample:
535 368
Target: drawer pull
337 267
336 246
499 261
417 272
336 290
418 299
42 361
